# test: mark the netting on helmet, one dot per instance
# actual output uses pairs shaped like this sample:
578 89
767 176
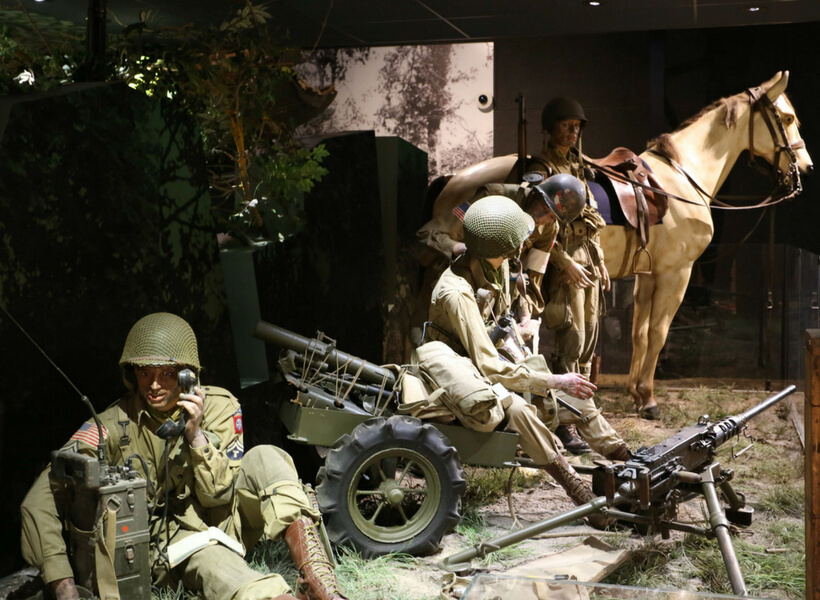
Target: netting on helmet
161 339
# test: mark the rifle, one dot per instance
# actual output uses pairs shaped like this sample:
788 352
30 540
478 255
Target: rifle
327 377
647 489
522 138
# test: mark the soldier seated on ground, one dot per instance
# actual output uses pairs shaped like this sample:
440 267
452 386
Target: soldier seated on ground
208 481
466 303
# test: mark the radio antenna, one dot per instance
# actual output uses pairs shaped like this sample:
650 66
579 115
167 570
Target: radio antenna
83 397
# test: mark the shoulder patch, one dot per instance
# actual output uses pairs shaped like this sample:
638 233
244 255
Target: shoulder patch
236 450
89 434
461 210
237 421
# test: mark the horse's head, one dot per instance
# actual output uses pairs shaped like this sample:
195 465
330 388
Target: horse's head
774 132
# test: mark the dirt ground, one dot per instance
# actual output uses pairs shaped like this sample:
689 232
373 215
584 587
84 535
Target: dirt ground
544 499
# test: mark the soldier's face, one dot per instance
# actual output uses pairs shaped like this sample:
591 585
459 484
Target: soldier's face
540 213
158 386
565 132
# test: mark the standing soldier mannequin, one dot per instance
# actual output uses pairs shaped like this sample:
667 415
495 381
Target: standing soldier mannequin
577 273
468 299
198 479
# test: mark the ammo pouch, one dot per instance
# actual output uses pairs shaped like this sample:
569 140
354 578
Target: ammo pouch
557 314
460 387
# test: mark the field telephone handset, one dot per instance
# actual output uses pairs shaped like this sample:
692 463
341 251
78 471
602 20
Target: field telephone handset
186 380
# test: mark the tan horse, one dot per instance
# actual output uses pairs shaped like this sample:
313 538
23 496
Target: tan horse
695 161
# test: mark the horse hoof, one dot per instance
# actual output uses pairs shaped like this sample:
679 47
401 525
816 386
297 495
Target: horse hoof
653 413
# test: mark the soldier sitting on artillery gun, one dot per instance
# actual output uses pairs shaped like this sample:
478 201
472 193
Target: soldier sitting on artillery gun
467 302
199 477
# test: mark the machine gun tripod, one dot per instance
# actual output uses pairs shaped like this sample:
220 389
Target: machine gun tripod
647 489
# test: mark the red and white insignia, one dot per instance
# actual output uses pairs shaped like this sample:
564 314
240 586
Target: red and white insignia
89 434
237 421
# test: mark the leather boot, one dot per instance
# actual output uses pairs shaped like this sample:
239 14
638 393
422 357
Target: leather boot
317 581
620 453
569 437
577 489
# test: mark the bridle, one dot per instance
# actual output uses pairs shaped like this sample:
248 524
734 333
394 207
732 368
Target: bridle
787 184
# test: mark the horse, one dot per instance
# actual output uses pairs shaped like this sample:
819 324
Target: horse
690 165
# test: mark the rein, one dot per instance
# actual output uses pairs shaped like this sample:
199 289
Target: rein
787 184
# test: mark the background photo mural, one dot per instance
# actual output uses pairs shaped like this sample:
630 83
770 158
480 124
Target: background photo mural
427 95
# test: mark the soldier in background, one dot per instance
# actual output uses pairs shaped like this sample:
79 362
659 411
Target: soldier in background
469 296
577 274
208 481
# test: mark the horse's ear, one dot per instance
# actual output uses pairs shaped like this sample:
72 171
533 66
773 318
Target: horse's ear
776 85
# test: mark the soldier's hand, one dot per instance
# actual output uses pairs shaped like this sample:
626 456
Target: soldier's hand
606 282
194 405
65 589
459 249
578 276
575 384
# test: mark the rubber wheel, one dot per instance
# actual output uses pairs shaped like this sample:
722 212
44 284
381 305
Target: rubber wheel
392 485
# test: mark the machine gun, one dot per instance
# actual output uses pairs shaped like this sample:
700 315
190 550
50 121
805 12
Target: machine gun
647 489
326 377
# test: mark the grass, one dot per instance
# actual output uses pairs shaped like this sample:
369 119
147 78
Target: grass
473 530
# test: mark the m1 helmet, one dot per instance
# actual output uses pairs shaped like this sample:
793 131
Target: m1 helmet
495 226
565 196
561 108
161 339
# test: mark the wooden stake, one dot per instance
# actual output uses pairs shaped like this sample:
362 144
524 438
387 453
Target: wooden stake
811 418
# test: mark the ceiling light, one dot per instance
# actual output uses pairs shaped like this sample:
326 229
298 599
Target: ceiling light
754 9
594 3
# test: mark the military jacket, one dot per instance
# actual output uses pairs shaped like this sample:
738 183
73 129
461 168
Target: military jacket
200 480
455 309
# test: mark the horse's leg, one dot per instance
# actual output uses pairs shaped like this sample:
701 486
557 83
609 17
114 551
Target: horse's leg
641 313
667 296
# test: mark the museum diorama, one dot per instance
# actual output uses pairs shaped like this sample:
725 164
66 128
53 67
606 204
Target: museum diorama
409 301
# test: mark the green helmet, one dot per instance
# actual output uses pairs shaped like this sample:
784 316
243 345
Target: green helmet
562 108
564 194
161 339
495 226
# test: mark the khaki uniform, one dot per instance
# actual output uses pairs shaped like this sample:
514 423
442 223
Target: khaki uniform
246 495
454 308
444 232
573 313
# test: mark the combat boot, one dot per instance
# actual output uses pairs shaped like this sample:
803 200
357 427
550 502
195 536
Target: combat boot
577 489
622 452
317 581
569 438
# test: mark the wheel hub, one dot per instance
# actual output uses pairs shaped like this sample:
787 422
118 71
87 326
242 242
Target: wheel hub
393 492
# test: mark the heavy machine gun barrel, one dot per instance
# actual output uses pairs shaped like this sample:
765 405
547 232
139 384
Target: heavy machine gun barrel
647 489
324 356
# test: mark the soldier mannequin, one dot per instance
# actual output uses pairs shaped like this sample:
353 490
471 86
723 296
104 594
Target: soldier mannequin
577 273
211 482
494 229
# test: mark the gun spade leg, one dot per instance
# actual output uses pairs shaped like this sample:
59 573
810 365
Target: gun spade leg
720 527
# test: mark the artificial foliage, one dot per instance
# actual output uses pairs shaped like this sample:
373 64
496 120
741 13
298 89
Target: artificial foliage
236 80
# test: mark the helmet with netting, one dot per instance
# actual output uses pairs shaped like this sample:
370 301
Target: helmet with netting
564 194
161 339
495 226
561 108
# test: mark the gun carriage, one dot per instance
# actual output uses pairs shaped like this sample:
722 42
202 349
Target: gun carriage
391 482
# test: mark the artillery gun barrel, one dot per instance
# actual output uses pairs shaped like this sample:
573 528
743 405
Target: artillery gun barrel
333 358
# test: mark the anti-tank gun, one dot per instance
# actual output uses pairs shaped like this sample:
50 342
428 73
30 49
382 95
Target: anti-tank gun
648 489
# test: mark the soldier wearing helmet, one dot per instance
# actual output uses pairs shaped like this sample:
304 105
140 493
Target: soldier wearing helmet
577 274
466 302
199 477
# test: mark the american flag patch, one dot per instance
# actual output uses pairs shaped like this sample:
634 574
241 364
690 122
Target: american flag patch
461 210
89 434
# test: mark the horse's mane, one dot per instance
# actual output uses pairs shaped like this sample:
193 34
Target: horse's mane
665 145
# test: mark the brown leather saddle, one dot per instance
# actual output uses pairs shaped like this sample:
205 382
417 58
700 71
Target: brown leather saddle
639 194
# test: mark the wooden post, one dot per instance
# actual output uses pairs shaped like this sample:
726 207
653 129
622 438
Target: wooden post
811 418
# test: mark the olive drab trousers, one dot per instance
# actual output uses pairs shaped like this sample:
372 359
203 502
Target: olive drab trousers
575 344
534 422
268 497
